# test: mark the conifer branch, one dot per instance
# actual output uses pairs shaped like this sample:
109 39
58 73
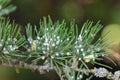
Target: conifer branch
55 44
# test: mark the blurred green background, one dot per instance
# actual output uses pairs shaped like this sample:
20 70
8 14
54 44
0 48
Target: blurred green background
108 11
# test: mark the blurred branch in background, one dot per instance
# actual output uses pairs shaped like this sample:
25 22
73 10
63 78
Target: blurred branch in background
5 8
